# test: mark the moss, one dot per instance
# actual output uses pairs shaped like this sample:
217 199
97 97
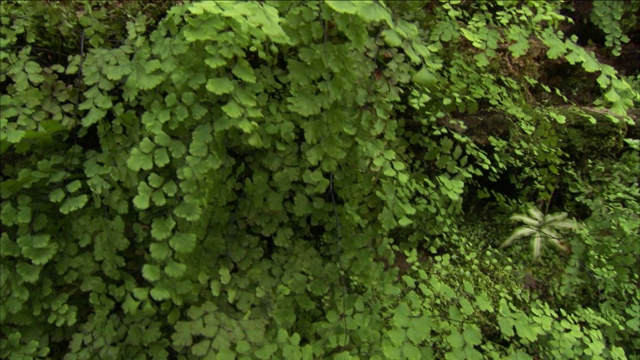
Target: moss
590 133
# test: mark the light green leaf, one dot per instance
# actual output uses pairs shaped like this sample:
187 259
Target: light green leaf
183 242
162 227
425 78
151 272
40 256
158 198
392 38
244 71
456 340
94 115
57 195
29 273
74 203
472 335
141 201
170 188
226 354
159 251
266 351
146 145
225 276
175 270
215 287
344 356
160 293
155 180
344 7
483 302
506 326
188 210
220 86
215 61
139 160
13 135
410 351
74 186
371 11
466 306
233 109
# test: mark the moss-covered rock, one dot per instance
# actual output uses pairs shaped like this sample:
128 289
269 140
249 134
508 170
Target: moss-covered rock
590 133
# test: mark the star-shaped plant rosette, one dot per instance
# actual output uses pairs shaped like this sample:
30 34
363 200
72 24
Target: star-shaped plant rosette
541 227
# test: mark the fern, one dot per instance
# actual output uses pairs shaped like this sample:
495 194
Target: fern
541 227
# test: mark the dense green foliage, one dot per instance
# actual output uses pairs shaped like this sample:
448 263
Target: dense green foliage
298 180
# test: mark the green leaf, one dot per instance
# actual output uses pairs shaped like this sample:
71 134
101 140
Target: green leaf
506 326
215 61
266 351
74 186
139 160
158 198
371 11
57 195
612 95
141 201
410 351
146 145
29 273
344 7
390 350
40 256
472 335
215 287
244 71
8 247
456 340
183 242
188 211
232 109
170 188
465 306
162 227
13 135
392 38
225 276
524 329
175 270
151 272
405 221
155 180
483 302
160 293
93 116
425 78
226 354
220 86
159 251
74 203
